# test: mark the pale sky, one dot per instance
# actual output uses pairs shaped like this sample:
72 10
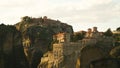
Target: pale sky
81 14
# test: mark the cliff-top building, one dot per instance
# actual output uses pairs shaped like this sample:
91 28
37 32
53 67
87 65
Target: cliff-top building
67 54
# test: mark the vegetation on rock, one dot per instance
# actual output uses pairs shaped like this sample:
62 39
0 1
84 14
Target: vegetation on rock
78 36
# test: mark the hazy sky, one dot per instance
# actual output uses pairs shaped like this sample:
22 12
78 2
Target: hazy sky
81 14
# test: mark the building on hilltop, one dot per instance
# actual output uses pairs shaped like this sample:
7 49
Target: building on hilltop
66 54
96 33
44 19
93 33
92 37
62 37
89 33
95 30
61 50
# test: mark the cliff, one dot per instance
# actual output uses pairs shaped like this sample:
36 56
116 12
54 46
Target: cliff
38 35
11 49
42 30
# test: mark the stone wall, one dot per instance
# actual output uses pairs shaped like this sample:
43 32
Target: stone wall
78 54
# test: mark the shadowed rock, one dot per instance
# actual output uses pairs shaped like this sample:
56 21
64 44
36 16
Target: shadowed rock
90 53
105 63
11 49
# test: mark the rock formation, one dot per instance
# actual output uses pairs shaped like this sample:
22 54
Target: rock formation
11 48
38 35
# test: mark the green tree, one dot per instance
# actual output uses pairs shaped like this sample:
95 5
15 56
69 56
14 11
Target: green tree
118 29
26 19
108 33
78 36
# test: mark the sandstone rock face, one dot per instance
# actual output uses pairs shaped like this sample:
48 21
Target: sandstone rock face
11 49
